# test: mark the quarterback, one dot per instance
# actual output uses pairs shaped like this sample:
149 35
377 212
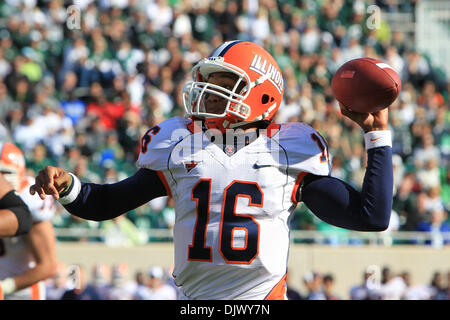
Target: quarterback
235 177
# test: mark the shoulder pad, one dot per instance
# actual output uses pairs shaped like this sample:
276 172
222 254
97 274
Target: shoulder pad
306 149
158 142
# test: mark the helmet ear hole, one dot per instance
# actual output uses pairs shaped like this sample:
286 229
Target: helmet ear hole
265 99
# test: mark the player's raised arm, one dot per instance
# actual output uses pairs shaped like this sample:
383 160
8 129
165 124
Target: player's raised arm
15 217
98 201
338 203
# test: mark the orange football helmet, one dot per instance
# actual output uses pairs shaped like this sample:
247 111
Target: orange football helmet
258 100
12 164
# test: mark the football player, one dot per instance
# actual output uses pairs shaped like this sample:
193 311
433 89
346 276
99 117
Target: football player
26 260
15 218
235 177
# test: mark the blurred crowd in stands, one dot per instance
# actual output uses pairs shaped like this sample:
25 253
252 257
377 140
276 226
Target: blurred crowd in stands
81 98
116 282
375 284
104 282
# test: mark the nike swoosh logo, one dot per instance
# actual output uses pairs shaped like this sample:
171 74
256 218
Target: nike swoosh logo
372 140
259 166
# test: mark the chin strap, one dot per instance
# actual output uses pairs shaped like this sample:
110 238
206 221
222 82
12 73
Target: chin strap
253 84
242 123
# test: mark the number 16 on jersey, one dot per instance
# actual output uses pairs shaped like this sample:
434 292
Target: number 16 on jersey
230 223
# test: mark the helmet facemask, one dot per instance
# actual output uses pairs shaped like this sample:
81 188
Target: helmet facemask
12 177
12 164
196 92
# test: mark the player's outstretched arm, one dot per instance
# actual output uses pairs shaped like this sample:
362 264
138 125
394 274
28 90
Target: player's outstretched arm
338 203
98 202
15 217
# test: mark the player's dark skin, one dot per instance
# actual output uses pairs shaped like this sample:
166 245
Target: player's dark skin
9 223
52 180
214 103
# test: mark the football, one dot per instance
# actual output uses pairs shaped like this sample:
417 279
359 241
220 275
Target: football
366 85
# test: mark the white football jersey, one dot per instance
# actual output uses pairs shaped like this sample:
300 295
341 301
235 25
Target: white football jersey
231 233
15 254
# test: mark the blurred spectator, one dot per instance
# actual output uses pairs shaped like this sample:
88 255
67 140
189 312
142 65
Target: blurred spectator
128 130
328 287
418 69
81 169
28 133
140 291
427 151
260 26
291 293
106 111
157 288
74 108
416 213
437 227
57 285
430 98
414 291
160 290
313 282
82 145
100 279
392 286
429 175
119 288
7 104
338 170
398 171
438 290
365 290
40 159
82 290
434 199
111 152
4 133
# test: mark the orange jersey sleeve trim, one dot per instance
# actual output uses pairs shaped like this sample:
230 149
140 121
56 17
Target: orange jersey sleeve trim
164 181
299 180
279 291
35 292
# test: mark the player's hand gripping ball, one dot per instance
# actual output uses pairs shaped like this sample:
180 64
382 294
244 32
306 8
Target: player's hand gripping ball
366 85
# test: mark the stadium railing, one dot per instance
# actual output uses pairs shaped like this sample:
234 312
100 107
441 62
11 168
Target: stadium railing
436 239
